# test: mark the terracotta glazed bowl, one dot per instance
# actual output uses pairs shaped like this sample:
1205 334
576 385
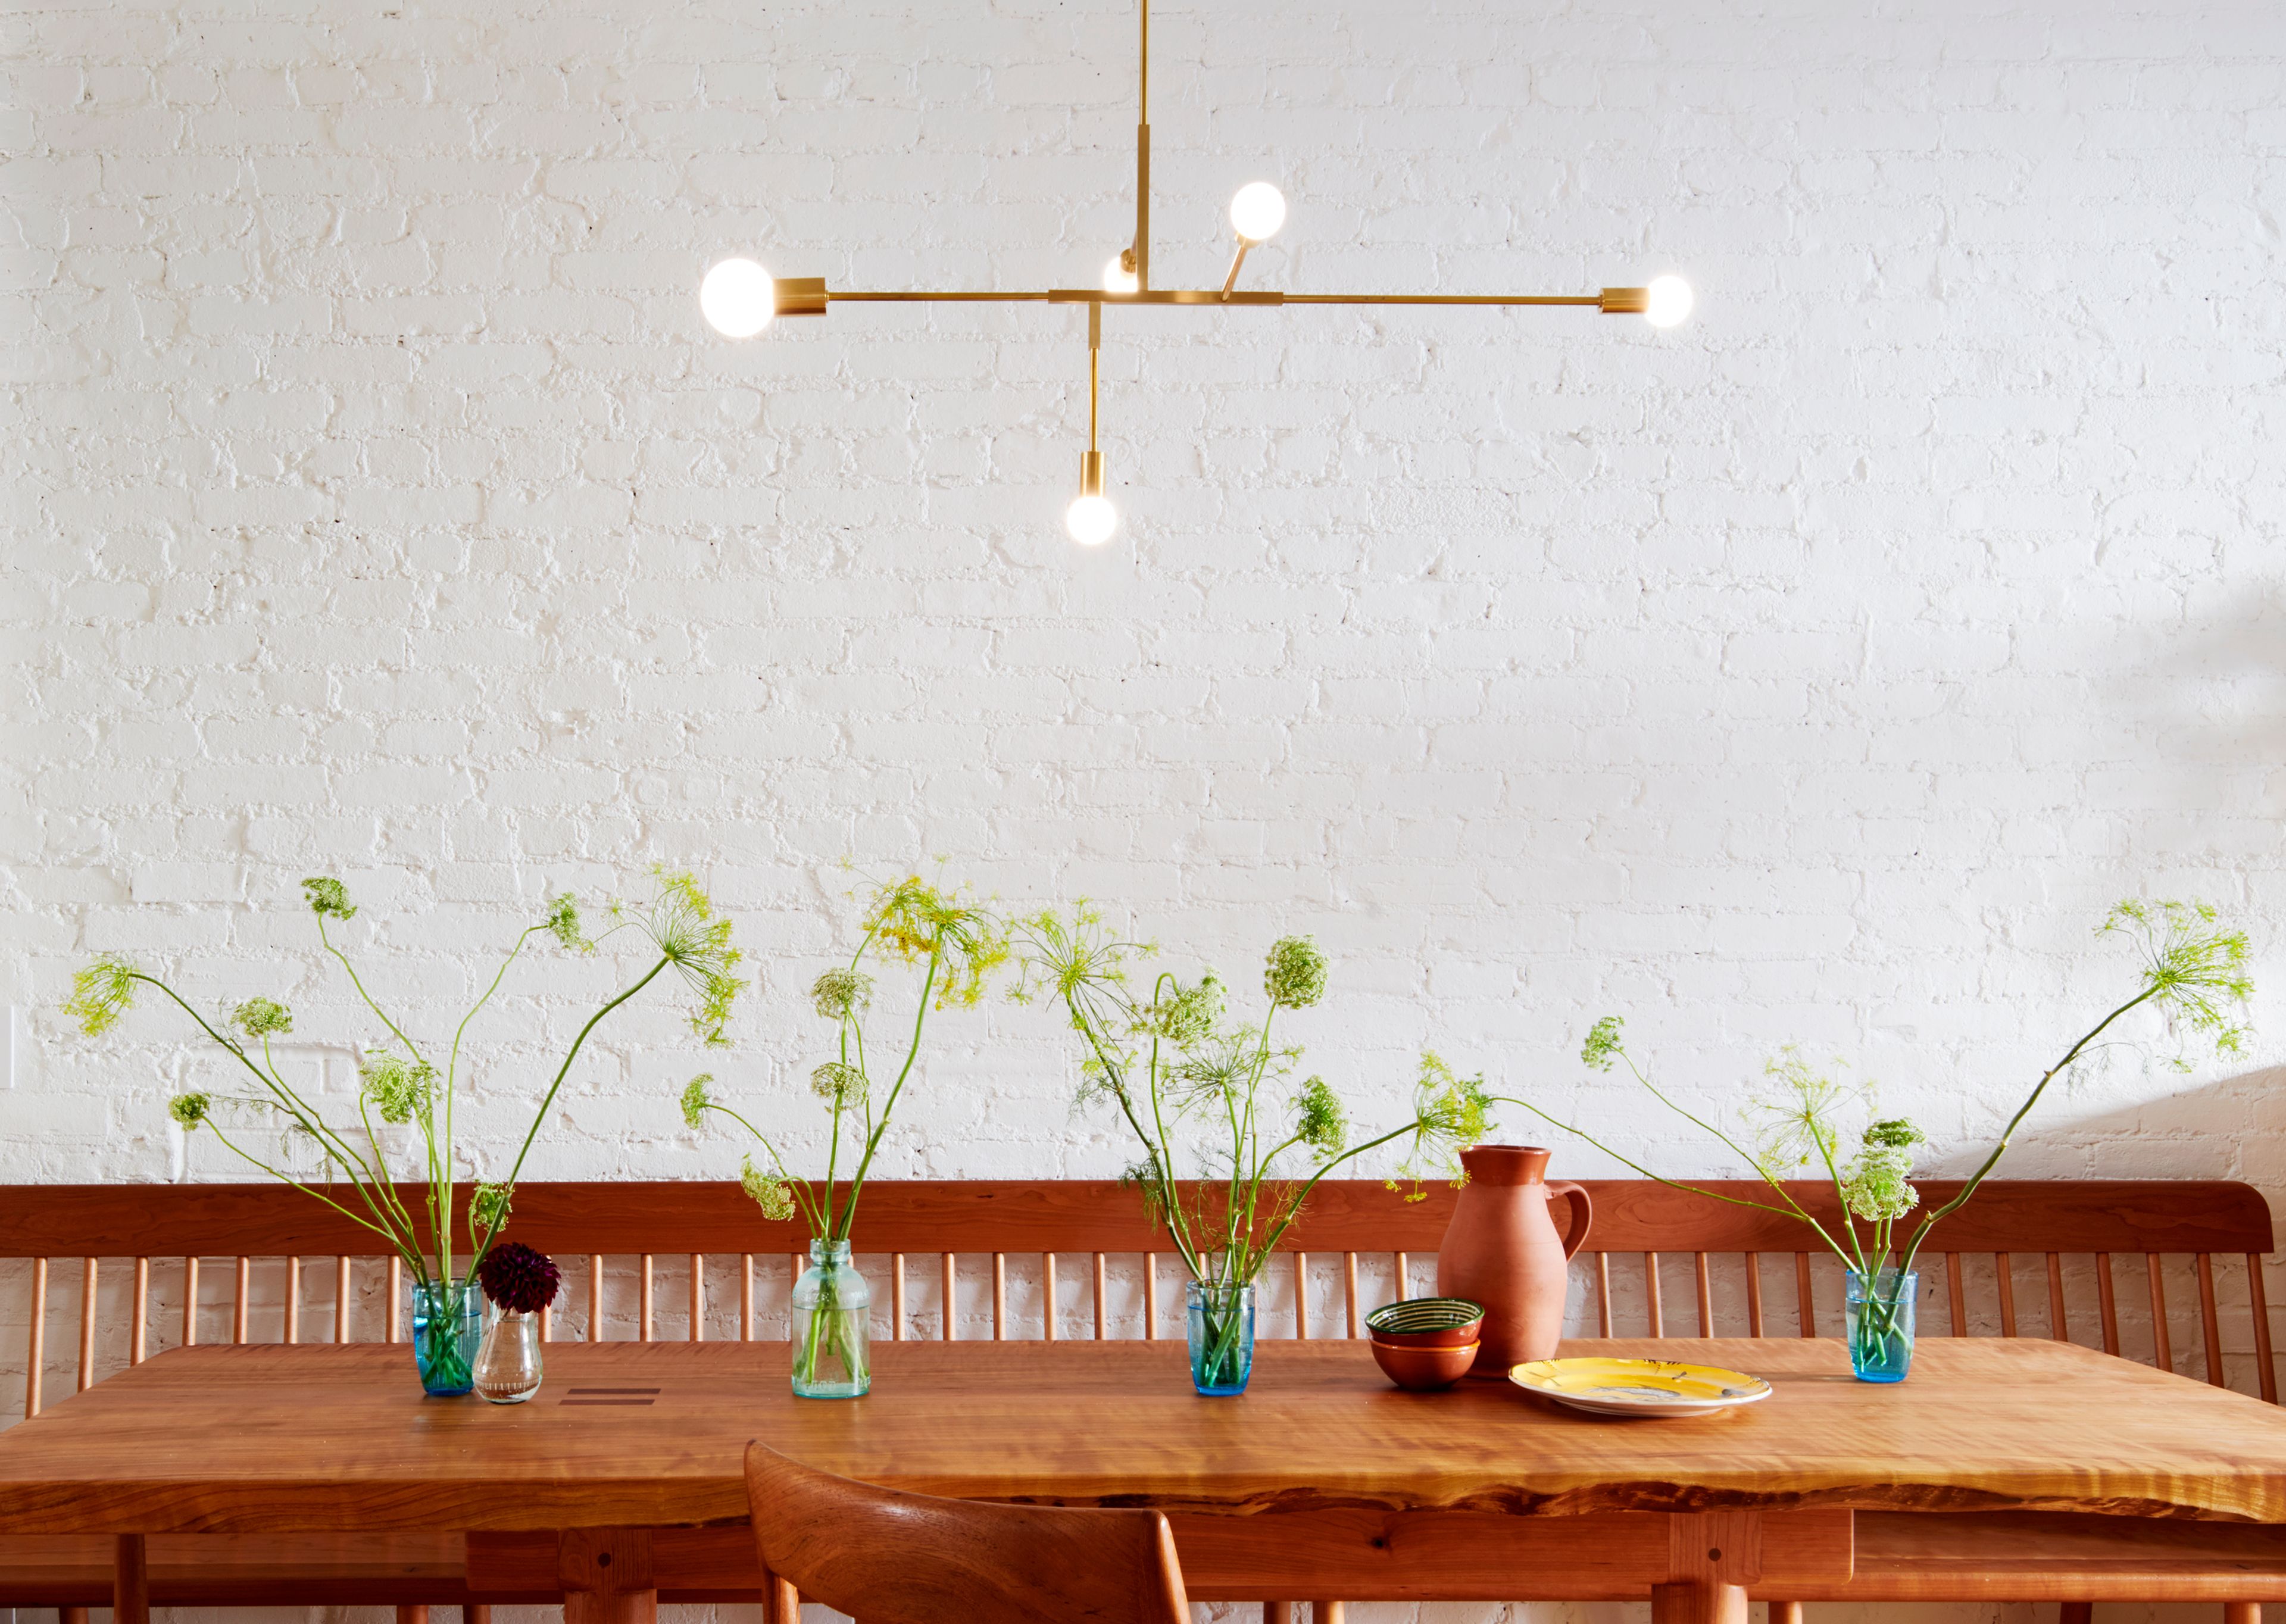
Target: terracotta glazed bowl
1424 1369
1427 1322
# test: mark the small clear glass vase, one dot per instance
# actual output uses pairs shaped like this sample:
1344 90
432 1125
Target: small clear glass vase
832 1325
1878 1322
448 1323
508 1366
1220 1319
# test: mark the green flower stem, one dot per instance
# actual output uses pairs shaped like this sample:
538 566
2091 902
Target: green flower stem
548 1100
1792 1209
858 1179
1930 1220
381 1014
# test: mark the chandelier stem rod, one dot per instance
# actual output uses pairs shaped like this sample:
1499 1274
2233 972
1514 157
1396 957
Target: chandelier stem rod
1094 352
1143 159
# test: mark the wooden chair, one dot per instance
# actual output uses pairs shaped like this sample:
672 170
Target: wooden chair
887 1557
2201 1246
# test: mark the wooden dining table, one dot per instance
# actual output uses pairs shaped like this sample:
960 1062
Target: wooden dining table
1320 1480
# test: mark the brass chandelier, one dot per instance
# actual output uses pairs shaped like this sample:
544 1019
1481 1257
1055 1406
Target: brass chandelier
739 298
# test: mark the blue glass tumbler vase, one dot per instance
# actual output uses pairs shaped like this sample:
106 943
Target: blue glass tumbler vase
1878 1322
1221 1326
448 1326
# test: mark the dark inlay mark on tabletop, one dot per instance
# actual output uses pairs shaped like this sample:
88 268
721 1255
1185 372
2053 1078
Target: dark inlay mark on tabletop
610 1395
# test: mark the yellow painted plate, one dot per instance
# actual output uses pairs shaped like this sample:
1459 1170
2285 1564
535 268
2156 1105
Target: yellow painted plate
1639 1386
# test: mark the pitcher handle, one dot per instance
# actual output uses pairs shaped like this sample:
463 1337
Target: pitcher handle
1583 1213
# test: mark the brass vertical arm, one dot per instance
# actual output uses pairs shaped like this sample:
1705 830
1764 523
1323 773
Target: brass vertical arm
1090 466
1231 281
1143 159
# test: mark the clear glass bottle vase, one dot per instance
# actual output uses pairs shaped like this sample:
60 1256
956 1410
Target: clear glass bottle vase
448 1321
507 1368
832 1325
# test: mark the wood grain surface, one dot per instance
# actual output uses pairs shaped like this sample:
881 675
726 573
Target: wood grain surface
271 1439
927 1216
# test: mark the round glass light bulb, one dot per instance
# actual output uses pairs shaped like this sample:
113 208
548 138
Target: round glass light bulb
1091 519
737 299
1118 278
1257 211
1669 301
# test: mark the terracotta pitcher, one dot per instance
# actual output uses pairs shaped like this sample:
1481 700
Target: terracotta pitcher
1501 1250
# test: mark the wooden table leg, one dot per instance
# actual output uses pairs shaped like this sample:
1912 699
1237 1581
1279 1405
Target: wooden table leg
2242 1613
1329 1612
1697 1601
1712 1558
1278 1612
781 1602
606 1573
130 1583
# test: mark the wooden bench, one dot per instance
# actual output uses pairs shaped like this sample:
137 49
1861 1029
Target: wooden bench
2155 1268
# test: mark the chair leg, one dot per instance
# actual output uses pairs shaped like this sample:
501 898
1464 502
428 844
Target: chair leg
412 1613
476 1612
71 1615
1329 1612
1283 1613
1785 1612
2242 1613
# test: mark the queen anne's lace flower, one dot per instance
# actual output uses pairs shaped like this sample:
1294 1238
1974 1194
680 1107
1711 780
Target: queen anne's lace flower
1296 972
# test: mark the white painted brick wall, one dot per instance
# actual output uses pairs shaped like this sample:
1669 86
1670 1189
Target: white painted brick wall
1818 672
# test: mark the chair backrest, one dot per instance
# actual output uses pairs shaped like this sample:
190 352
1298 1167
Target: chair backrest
1357 1245
887 1557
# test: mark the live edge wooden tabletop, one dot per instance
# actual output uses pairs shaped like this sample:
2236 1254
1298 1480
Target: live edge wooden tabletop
269 1438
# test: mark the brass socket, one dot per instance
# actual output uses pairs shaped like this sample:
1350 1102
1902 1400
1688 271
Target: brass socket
801 295
1624 301
1090 473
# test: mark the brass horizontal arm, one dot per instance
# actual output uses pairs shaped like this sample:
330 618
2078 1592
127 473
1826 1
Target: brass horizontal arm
1611 301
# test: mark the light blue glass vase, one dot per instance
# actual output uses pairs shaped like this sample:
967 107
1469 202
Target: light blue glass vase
448 1325
1879 1324
1221 1327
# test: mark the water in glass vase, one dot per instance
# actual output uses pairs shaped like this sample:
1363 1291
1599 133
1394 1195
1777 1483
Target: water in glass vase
832 1325
1221 1326
448 1322
1878 1322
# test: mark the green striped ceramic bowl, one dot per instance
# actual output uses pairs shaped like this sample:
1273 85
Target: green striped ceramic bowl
1427 1322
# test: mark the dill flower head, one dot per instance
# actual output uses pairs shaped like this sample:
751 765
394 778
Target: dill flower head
1793 1114
518 1280
842 994
190 1109
2193 970
1321 1124
1295 974
397 1087
488 1207
328 896
563 922
681 925
1875 1182
837 1085
774 1196
101 992
1186 1015
1603 1045
914 919
262 1017
695 1099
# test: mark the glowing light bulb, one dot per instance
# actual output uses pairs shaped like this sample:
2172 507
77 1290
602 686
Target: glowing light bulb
1669 301
1091 519
1118 278
1257 211
737 299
